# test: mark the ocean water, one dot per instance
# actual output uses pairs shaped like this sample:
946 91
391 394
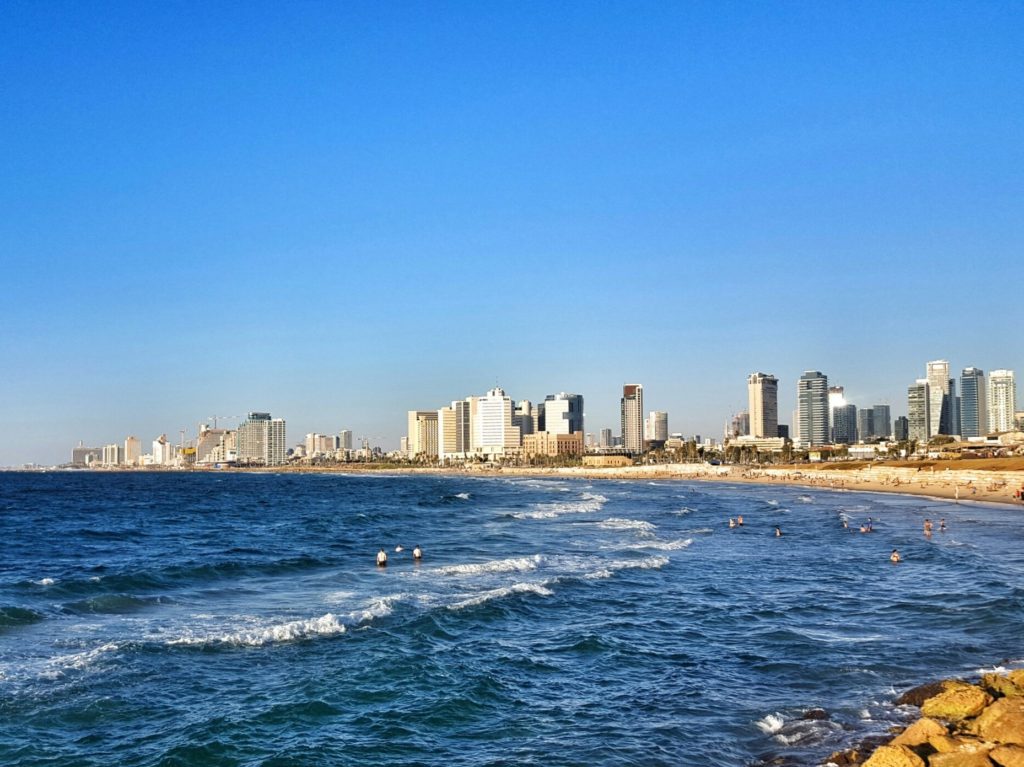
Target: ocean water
238 619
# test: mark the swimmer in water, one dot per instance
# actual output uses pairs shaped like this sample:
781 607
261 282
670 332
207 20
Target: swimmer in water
739 521
732 522
846 525
382 558
942 525
894 557
778 532
927 527
417 553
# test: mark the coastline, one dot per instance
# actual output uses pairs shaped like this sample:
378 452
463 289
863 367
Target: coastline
968 486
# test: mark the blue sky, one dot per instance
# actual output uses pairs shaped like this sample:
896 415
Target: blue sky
341 211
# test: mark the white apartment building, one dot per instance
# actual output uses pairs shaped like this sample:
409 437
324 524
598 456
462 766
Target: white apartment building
1002 399
493 433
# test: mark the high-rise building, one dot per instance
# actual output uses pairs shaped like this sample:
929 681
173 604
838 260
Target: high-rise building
163 451
560 414
763 401
940 399
881 422
918 410
86 456
973 403
844 424
865 424
132 450
836 398
1002 400
261 440
812 408
739 425
346 439
901 429
422 435
494 434
632 417
605 438
207 443
656 427
453 431
113 454
525 417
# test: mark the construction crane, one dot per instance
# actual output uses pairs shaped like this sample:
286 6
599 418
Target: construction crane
215 418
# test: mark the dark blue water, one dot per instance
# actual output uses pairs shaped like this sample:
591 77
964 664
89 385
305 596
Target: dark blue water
238 619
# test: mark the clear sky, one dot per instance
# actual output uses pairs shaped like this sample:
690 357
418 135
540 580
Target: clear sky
338 212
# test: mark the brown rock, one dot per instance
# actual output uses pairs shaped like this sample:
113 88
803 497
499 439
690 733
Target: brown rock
918 695
894 756
815 714
944 744
1002 722
1000 686
958 701
845 758
1008 756
1017 677
919 732
961 759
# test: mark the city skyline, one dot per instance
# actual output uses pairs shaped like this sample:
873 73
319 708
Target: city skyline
338 214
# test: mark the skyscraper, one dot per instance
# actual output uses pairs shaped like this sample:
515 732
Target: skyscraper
605 438
973 403
453 431
346 439
865 424
560 414
763 401
656 429
132 450
901 429
493 431
1002 400
632 417
423 434
812 408
940 404
918 406
261 440
881 422
844 424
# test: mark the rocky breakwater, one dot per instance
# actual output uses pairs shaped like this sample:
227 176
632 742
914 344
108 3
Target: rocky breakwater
961 725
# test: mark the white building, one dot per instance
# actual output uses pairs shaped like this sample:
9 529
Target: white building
631 411
163 451
1002 399
113 455
656 426
422 435
261 440
763 401
493 433
453 431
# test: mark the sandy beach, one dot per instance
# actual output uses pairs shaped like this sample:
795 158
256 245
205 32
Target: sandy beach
981 485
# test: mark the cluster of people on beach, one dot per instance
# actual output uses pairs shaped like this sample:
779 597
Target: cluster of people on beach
382 556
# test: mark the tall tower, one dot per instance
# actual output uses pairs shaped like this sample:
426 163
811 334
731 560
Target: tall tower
812 408
560 414
632 409
1002 399
973 403
940 404
918 410
763 398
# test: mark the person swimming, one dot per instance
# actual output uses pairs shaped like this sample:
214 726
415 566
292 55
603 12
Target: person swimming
778 532
417 552
942 525
846 525
894 557
739 521
732 522
382 558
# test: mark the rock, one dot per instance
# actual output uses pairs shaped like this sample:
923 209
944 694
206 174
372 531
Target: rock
1000 686
894 756
961 759
918 695
1017 677
815 713
919 732
957 701
1008 756
850 756
1002 722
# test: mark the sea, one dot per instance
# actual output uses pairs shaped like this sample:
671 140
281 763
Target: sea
180 619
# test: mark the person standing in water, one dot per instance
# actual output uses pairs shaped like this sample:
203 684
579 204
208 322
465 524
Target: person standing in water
895 557
778 532
739 521
417 553
382 558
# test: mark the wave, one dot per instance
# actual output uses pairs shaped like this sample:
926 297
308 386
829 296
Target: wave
516 588
675 545
11 616
513 565
637 525
610 568
587 503
463 496
770 724
113 604
292 631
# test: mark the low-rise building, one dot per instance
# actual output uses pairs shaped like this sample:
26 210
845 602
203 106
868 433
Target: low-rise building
546 443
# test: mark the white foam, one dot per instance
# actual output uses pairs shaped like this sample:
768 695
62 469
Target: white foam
325 625
992 670
515 588
587 503
772 502
770 724
610 568
682 511
463 496
378 608
675 545
637 525
513 565
45 582
833 638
